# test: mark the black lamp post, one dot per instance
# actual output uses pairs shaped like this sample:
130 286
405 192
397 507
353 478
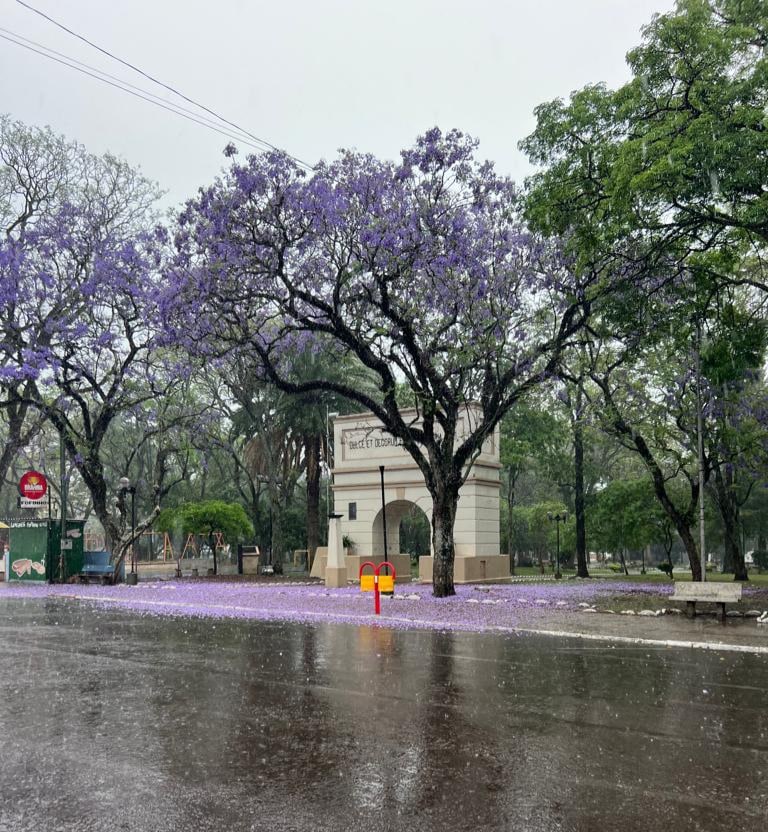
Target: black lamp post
127 488
560 517
384 522
383 511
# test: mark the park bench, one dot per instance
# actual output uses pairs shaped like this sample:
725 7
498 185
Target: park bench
97 565
713 593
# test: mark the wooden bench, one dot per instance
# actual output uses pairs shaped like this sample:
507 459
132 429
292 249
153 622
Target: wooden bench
713 593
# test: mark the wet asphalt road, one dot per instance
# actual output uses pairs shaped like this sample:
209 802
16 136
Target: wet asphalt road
114 721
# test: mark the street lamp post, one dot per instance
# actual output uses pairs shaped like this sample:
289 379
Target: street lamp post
268 568
560 517
384 522
127 488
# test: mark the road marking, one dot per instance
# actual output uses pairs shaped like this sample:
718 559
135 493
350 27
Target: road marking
648 642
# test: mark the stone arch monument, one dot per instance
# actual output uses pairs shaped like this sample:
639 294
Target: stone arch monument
361 447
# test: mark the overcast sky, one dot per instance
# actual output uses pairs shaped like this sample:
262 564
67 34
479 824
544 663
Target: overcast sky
312 76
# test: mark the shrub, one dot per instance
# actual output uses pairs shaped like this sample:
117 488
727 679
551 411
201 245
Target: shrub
615 567
760 557
666 567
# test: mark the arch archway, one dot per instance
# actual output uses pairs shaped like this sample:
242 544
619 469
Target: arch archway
370 466
396 511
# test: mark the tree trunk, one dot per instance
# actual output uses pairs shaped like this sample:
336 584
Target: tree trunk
581 532
443 517
276 536
312 450
212 547
733 560
691 549
682 520
623 561
16 414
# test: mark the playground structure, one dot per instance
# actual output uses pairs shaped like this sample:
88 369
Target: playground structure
160 546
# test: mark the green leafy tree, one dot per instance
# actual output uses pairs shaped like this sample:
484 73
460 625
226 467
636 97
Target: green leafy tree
677 157
527 433
537 534
663 180
625 515
736 434
206 518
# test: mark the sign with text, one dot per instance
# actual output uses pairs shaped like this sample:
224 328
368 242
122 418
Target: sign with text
372 442
33 486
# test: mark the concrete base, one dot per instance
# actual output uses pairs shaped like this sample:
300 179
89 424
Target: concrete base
469 570
402 564
319 562
336 576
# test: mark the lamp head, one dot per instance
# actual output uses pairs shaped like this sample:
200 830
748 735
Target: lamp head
124 483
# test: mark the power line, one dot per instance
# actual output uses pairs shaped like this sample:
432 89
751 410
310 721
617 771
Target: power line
171 108
160 83
126 86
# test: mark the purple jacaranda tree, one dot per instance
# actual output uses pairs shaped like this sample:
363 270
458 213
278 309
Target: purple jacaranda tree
37 171
79 320
420 269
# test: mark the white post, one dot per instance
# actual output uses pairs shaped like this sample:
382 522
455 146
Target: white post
336 567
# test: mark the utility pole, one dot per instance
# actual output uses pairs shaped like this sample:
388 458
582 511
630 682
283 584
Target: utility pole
63 530
700 431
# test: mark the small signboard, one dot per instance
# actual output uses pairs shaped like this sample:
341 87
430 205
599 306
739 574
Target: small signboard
33 486
25 502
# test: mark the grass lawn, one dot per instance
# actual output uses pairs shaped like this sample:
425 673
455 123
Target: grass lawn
652 575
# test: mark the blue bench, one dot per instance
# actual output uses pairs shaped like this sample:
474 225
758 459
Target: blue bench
97 565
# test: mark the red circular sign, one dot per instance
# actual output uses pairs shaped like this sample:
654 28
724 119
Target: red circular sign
33 485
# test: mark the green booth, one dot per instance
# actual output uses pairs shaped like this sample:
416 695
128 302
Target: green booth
36 552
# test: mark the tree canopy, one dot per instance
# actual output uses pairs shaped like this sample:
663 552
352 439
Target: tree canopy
421 270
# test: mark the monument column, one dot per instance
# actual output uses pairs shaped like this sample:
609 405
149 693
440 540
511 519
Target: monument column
336 569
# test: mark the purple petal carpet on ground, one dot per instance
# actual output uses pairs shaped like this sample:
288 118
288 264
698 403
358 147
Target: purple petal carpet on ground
473 608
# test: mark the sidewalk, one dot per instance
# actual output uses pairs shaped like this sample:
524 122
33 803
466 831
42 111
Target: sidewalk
705 631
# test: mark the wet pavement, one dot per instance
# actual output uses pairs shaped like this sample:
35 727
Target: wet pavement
118 721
